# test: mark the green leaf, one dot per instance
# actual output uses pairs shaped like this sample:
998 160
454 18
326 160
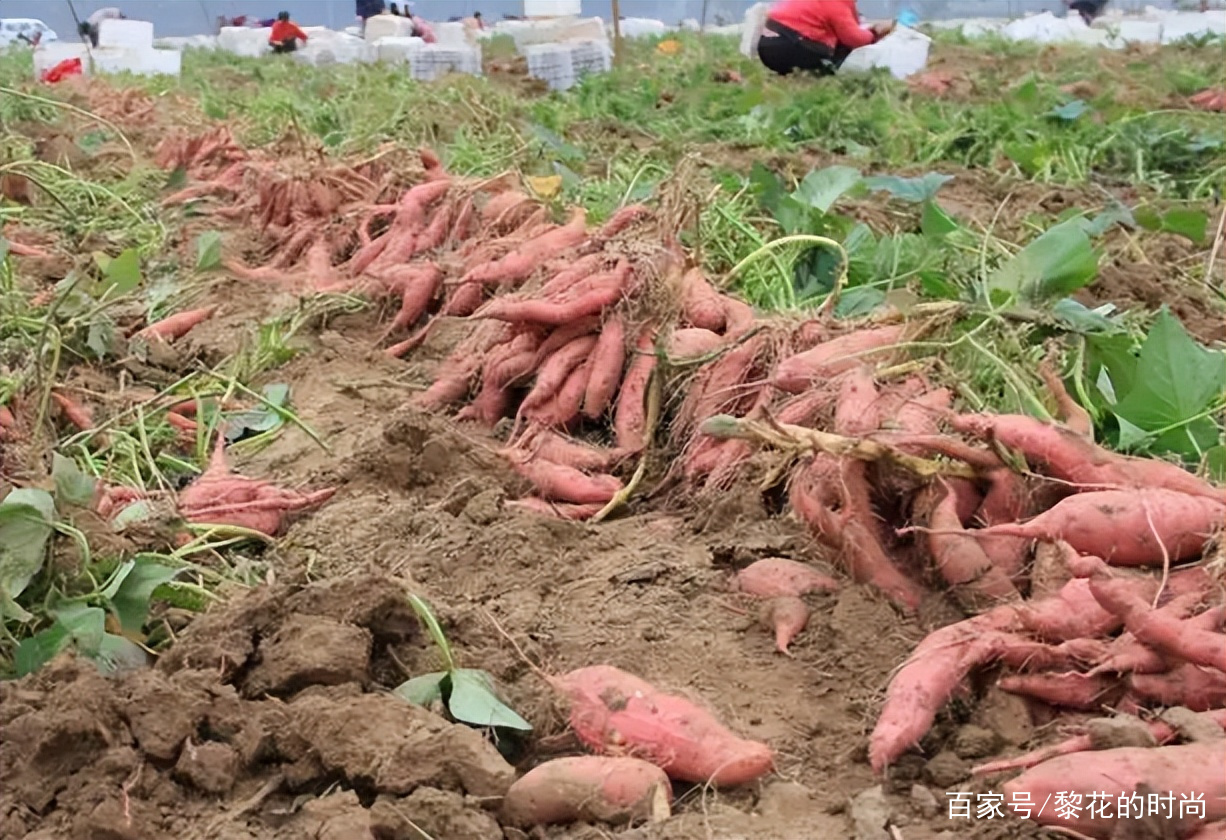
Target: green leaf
821 188
260 419
140 510
36 651
1057 263
85 625
208 251
1114 214
1069 111
100 337
1082 319
177 179
1193 225
1214 462
422 690
1111 364
71 485
115 654
1176 380
473 700
936 222
120 275
858 300
913 190
130 603
26 517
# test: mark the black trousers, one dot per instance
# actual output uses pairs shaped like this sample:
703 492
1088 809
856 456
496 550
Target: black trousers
287 46
787 51
1088 9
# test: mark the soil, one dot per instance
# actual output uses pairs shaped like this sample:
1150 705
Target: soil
272 715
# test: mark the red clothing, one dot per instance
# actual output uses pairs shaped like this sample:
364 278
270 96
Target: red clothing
831 22
283 30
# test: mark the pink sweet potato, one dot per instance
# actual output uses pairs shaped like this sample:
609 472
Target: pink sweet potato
1069 690
520 263
418 284
608 360
1184 771
1200 689
555 370
1126 527
177 325
962 562
551 446
599 291
616 712
560 483
796 373
1163 632
558 510
630 416
1127 654
692 342
588 788
701 304
857 411
776 577
787 616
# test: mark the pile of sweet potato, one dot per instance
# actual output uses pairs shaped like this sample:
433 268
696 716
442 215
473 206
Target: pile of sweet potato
1082 572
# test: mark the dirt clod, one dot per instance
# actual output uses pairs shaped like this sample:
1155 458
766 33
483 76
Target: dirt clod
1123 731
209 767
975 742
870 814
946 769
309 651
924 802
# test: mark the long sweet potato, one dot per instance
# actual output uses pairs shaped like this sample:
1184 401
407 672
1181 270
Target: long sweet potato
551 446
588 788
1163 632
560 483
693 341
608 359
1184 772
523 261
555 370
962 562
597 292
177 325
838 355
701 304
1125 527
630 416
1200 689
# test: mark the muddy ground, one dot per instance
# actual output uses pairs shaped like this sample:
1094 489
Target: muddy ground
271 717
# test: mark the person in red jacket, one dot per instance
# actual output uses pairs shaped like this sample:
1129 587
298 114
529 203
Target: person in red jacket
285 34
814 35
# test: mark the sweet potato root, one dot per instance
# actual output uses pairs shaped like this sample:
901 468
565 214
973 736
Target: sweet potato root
1163 632
701 304
630 416
777 577
1200 689
177 325
693 342
963 563
522 262
616 712
796 373
1125 527
588 788
560 483
786 616
1184 771
73 411
608 359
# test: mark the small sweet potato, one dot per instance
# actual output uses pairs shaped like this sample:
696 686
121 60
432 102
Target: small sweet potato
776 577
786 616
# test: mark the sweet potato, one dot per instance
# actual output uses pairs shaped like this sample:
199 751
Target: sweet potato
73 411
396 244
588 789
489 406
559 337
838 355
962 562
1127 654
551 446
177 325
776 577
918 415
622 219
599 291
1161 631
1068 456
692 342
555 370
574 272
739 317
608 359
1200 689
1069 690
559 510
1125 527
1184 771
787 616
560 483
523 261
630 416
463 300
612 711
701 304
418 285
856 412
562 408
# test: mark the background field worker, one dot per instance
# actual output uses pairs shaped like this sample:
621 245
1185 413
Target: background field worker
89 27
1088 9
367 9
814 35
285 34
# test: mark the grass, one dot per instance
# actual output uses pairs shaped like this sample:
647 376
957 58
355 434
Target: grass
764 161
